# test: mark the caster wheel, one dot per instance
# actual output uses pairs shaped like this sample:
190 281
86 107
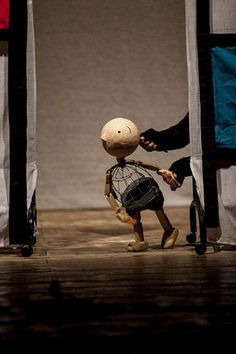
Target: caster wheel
191 238
26 251
200 249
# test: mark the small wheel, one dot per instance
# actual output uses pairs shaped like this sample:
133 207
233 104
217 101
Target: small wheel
26 251
200 248
191 238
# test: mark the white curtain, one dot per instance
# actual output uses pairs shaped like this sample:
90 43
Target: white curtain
4 128
222 20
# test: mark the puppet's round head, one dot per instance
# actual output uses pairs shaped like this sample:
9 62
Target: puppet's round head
120 137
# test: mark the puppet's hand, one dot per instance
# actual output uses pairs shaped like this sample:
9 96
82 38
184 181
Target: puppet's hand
123 216
170 178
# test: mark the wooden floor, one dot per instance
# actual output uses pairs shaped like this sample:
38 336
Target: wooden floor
82 292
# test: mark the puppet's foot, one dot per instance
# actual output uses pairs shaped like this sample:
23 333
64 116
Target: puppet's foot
137 246
169 238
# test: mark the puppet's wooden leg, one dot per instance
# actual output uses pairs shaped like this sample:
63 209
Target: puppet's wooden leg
139 244
170 233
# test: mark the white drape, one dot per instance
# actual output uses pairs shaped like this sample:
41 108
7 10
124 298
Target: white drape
4 128
222 20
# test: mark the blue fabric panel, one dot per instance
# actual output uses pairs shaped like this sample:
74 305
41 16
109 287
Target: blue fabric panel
224 87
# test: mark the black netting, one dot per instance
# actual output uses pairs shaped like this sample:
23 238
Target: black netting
135 188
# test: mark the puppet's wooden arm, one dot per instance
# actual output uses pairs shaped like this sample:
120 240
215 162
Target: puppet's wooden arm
120 211
168 176
148 166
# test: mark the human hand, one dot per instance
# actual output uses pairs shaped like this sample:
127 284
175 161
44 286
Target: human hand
148 139
146 144
170 178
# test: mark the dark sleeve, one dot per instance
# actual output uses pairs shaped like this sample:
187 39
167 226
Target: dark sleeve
182 168
175 137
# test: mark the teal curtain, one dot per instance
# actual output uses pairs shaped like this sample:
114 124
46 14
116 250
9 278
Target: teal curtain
224 87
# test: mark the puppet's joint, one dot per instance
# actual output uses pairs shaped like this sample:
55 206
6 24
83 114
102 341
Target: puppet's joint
169 238
137 246
123 216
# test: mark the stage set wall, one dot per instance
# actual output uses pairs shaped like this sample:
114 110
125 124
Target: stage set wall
97 60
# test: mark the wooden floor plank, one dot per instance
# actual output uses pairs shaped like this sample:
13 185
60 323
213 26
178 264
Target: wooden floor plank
81 288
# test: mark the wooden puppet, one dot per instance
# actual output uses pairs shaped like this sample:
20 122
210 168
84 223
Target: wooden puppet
130 188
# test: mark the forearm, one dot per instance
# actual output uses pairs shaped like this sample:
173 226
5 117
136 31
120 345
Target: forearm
175 137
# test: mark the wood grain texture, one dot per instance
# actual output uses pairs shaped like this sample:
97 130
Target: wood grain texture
82 292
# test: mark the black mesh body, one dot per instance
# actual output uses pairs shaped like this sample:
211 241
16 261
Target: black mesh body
143 193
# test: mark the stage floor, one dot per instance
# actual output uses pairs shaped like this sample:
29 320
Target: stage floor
82 292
